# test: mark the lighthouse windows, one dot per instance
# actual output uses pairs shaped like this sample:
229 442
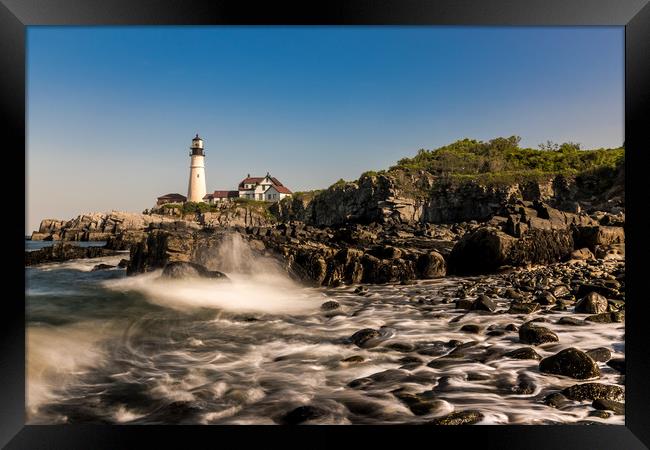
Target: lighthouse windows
197 175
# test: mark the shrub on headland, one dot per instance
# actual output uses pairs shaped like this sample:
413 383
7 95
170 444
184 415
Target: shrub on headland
503 160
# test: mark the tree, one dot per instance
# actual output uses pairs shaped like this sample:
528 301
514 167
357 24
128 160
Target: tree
549 146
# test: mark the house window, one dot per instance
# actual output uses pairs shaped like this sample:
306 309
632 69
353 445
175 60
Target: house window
197 175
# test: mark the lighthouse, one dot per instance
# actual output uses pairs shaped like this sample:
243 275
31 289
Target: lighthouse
196 189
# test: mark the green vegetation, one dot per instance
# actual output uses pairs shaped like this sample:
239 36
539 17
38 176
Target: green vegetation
501 160
195 207
304 196
340 183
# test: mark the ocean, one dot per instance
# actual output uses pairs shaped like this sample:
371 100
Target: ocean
106 348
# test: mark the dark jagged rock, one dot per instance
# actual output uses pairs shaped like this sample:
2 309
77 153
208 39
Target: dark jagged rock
464 303
594 391
302 414
556 400
470 328
570 362
523 308
536 335
617 364
592 303
487 249
609 317
431 265
330 305
600 414
459 418
403 347
123 263
571 321
365 338
64 251
419 404
609 405
181 269
545 298
353 359
483 303
600 354
523 353
102 267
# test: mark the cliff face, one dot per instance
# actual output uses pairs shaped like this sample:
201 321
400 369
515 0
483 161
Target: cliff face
420 197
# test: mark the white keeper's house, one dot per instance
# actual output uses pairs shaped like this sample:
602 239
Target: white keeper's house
265 189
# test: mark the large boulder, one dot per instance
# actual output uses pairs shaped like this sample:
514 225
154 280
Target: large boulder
487 249
183 269
570 362
593 236
484 250
536 335
592 303
469 417
594 391
431 265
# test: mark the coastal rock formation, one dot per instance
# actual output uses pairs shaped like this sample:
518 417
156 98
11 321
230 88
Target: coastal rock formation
64 251
95 226
405 197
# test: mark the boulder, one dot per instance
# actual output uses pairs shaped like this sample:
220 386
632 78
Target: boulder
570 362
592 236
482 251
302 414
483 303
487 249
582 254
470 328
101 267
365 338
592 303
523 353
617 364
469 417
523 308
608 317
609 405
614 252
182 269
536 335
330 305
431 265
594 391
600 354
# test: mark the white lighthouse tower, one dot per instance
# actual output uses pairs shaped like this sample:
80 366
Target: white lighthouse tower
196 189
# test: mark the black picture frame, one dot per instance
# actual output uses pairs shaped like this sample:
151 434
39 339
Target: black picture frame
15 15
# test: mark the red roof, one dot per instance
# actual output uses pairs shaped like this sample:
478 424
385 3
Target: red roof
282 189
225 194
172 196
256 180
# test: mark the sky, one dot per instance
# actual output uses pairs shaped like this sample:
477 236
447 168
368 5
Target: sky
111 111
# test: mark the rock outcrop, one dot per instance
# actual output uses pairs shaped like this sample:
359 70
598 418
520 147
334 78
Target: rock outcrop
64 251
405 197
524 233
95 226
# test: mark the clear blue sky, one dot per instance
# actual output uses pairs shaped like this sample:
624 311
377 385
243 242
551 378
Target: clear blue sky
112 110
